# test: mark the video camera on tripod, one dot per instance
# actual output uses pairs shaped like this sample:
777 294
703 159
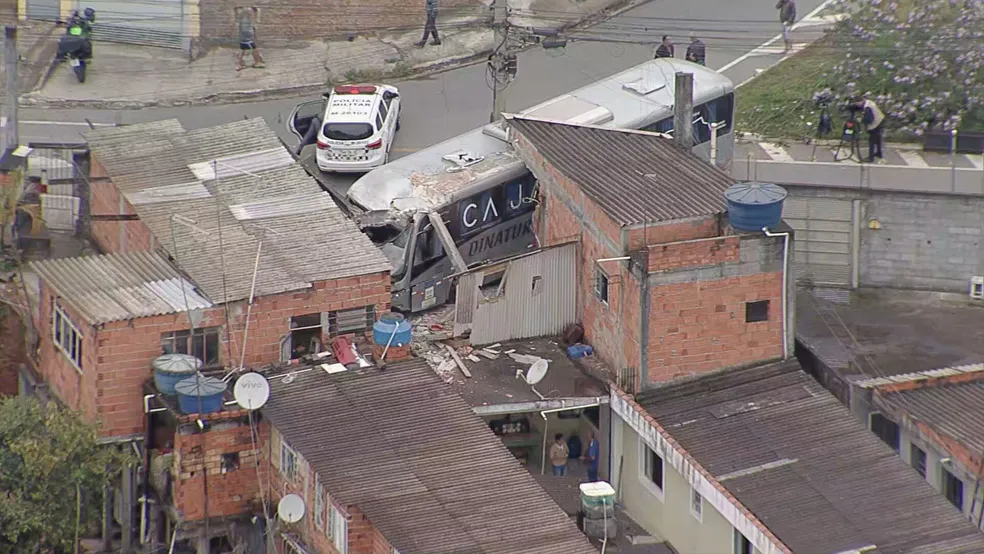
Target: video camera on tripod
850 133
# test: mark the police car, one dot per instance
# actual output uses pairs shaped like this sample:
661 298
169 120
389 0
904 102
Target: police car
358 127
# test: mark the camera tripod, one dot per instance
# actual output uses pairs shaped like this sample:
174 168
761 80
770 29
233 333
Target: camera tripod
850 141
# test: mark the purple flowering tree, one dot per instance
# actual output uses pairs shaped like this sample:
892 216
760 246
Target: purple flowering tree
922 61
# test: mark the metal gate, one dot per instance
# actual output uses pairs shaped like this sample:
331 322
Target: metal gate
823 241
158 23
536 297
44 10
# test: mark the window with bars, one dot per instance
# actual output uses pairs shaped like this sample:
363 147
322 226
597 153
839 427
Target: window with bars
344 322
696 504
202 344
67 337
601 285
288 461
319 503
340 530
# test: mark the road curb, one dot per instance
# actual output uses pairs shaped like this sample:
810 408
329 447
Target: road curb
234 97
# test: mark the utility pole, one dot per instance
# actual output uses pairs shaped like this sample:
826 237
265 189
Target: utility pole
502 62
683 111
11 140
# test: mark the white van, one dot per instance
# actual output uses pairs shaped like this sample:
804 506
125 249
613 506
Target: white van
358 127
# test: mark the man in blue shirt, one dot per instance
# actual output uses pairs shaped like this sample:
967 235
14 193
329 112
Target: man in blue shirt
590 457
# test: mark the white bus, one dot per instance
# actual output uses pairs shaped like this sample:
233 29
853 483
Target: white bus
484 193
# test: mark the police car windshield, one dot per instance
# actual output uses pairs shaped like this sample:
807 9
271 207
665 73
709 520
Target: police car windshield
347 131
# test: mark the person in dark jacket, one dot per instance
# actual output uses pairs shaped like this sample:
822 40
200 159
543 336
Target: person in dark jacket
665 48
430 28
787 16
696 52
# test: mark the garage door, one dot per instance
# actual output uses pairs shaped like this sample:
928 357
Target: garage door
156 23
822 245
44 10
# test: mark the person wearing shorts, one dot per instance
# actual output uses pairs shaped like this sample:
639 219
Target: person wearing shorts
247 38
787 16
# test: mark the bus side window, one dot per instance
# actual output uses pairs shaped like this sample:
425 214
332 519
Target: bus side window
723 109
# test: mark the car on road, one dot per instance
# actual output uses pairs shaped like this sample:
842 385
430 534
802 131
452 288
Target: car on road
352 125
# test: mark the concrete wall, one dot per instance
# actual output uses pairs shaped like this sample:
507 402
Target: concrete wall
666 514
363 537
310 19
915 241
231 493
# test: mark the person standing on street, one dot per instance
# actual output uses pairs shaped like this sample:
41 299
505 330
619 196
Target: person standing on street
591 457
246 17
558 455
430 28
873 118
696 52
787 16
665 49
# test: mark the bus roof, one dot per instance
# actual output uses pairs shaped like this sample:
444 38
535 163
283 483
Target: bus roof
449 170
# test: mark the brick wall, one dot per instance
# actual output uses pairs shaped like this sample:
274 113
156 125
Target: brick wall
12 351
76 388
114 236
118 355
700 326
363 537
312 19
234 492
703 227
693 253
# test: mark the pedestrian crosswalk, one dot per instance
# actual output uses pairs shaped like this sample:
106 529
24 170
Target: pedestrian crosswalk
894 156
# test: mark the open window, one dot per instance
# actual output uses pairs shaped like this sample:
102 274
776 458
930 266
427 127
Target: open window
305 335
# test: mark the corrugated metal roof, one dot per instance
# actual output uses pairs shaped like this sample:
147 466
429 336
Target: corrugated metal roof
117 287
164 171
846 489
952 409
411 454
920 375
634 177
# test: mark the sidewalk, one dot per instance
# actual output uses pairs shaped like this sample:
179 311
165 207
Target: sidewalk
133 77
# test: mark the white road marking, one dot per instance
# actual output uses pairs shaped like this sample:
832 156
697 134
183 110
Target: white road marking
67 123
754 52
776 152
913 159
976 159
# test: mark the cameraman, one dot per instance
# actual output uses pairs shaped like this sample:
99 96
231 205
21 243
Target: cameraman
873 118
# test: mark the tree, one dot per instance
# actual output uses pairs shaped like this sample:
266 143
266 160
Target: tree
922 61
52 474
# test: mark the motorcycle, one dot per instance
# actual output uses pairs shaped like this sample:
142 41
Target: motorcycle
76 44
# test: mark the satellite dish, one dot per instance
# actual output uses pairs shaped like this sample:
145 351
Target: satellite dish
291 508
251 391
537 371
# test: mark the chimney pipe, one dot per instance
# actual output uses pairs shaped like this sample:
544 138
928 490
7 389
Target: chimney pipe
683 111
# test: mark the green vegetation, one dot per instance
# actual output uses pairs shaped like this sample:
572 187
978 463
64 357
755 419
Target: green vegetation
921 61
52 473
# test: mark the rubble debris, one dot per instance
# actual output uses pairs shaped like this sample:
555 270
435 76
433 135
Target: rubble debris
510 351
524 358
457 360
488 355
474 358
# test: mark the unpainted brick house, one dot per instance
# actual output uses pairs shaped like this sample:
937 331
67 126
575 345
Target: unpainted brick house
666 288
213 239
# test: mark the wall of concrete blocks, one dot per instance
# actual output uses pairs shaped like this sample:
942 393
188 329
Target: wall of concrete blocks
915 241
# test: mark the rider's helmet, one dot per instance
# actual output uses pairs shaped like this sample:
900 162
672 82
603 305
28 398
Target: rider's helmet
90 14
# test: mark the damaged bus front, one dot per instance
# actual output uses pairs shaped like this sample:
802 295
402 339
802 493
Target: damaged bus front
431 226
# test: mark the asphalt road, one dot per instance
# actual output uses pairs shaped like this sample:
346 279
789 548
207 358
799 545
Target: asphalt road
446 104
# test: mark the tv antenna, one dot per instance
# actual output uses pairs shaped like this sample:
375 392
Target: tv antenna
534 374
251 391
291 508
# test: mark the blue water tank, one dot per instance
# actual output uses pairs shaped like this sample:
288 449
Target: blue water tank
752 206
382 330
200 394
170 369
